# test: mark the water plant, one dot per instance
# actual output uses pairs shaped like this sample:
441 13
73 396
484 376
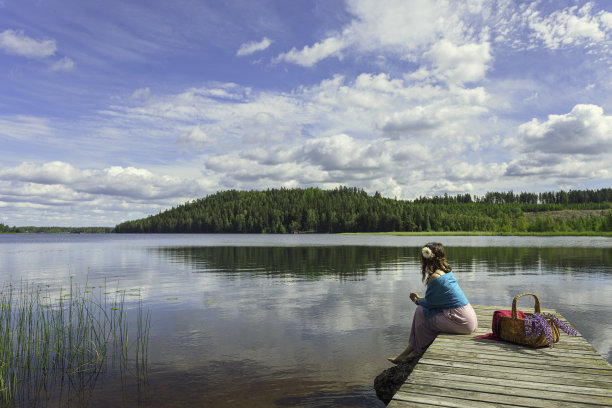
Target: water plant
46 343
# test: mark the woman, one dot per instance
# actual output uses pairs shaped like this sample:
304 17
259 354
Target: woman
443 309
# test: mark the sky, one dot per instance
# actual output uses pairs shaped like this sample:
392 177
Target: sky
116 110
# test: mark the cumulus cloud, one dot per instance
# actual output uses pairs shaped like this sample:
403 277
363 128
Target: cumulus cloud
460 63
253 47
575 145
342 152
559 169
584 130
55 172
16 42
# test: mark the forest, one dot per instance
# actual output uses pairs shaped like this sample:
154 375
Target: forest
349 209
5 229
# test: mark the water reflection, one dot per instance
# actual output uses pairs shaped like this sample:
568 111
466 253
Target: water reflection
342 262
353 262
521 260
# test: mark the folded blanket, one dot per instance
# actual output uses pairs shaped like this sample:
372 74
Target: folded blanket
497 315
442 293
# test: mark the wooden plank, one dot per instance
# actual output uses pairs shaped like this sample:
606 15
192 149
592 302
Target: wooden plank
509 357
487 397
415 399
557 354
517 369
593 386
511 388
465 371
503 347
477 368
560 354
582 346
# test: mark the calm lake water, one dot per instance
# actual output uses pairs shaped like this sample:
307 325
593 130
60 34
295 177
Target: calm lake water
297 320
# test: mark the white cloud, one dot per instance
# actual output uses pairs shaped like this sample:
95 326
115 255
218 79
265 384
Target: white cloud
55 172
356 132
195 139
253 47
459 64
310 55
570 26
401 29
584 130
130 183
572 146
16 42
64 64
142 93
446 186
24 127
475 173
342 152
405 26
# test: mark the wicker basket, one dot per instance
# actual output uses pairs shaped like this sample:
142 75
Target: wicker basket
512 329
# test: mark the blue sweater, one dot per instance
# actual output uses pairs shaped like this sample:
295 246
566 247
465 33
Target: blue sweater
442 293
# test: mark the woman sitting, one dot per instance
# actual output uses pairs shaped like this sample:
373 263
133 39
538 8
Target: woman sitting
443 309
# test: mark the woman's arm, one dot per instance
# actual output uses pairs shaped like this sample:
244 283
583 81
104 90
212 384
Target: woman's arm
415 297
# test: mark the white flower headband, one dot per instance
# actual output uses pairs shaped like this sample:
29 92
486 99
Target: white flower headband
427 253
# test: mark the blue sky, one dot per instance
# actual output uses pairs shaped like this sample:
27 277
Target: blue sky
115 110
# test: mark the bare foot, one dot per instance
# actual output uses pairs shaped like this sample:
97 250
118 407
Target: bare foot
404 359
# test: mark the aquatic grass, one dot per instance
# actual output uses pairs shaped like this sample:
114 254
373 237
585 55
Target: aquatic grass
44 343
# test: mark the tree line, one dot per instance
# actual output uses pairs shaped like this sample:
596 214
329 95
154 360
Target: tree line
5 229
348 209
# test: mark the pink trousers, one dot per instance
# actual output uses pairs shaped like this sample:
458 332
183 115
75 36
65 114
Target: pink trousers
458 320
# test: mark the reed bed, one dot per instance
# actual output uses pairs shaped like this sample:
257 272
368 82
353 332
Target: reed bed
52 338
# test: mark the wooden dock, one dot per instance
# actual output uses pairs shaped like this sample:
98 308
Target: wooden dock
465 371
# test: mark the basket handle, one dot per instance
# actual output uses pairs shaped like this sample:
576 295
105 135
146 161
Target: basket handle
536 307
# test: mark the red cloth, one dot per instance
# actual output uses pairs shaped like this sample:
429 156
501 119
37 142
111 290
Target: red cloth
497 315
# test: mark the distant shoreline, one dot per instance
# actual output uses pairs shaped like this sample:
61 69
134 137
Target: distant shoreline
390 233
487 233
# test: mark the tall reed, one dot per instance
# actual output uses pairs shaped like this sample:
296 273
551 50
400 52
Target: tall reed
75 336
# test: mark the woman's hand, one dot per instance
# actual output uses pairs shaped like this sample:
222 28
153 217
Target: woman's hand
414 297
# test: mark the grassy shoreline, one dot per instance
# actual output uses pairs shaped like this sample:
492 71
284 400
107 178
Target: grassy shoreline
487 233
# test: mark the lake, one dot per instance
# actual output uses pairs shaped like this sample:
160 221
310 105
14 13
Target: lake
296 320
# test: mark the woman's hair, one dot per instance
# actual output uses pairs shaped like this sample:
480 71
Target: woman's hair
435 261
